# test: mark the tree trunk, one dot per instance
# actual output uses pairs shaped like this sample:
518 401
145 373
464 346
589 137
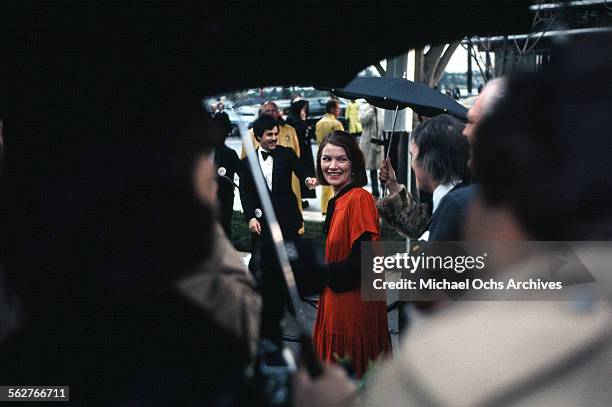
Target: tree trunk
433 63
443 62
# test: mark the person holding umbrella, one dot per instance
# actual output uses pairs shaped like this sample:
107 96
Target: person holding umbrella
439 160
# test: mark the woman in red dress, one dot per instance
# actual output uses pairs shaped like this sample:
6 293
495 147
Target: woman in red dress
346 326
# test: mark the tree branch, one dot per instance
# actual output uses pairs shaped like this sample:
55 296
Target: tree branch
443 62
380 69
475 56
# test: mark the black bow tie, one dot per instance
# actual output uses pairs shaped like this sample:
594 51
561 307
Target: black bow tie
265 155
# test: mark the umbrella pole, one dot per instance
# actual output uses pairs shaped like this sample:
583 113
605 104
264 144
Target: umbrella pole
383 187
392 132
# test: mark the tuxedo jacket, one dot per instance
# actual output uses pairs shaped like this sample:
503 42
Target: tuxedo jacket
286 162
447 220
227 158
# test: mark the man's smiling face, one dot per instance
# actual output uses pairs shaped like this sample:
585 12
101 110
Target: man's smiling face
269 139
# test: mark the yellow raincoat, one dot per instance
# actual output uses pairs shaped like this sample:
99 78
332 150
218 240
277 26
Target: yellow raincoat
325 126
352 114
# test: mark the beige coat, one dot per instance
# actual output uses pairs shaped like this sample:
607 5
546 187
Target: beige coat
485 353
372 121
223 287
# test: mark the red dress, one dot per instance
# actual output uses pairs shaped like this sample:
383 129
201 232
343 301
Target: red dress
346 325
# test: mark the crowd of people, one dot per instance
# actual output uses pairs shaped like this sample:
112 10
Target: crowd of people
481 177
537 160
160 306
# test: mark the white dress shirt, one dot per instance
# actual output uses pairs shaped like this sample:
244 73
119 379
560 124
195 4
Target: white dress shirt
439 193
266 167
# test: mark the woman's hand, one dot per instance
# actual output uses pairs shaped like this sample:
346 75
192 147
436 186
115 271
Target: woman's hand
387 176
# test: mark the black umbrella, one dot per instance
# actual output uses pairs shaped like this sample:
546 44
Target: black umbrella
249 101
398 93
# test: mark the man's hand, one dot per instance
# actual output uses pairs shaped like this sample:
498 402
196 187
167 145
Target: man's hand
255 226
311 182
387 176
332 388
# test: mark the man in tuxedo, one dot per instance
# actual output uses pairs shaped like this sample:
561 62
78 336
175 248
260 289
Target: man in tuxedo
277 165
449 207
287 137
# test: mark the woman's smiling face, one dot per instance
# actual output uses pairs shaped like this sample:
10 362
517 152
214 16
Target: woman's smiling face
336 166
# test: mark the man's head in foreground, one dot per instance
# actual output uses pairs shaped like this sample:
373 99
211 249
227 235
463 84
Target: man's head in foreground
542 156
484 105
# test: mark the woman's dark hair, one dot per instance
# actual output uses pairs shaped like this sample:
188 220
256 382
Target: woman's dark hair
443 150
224 123
296 107
545 150
347 142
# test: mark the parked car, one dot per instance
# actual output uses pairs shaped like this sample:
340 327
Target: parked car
239 121
283 106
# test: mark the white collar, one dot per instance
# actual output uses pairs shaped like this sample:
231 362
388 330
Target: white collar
440 191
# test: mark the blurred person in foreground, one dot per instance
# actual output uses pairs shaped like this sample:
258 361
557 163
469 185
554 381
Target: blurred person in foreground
522 352
125 301
346 326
